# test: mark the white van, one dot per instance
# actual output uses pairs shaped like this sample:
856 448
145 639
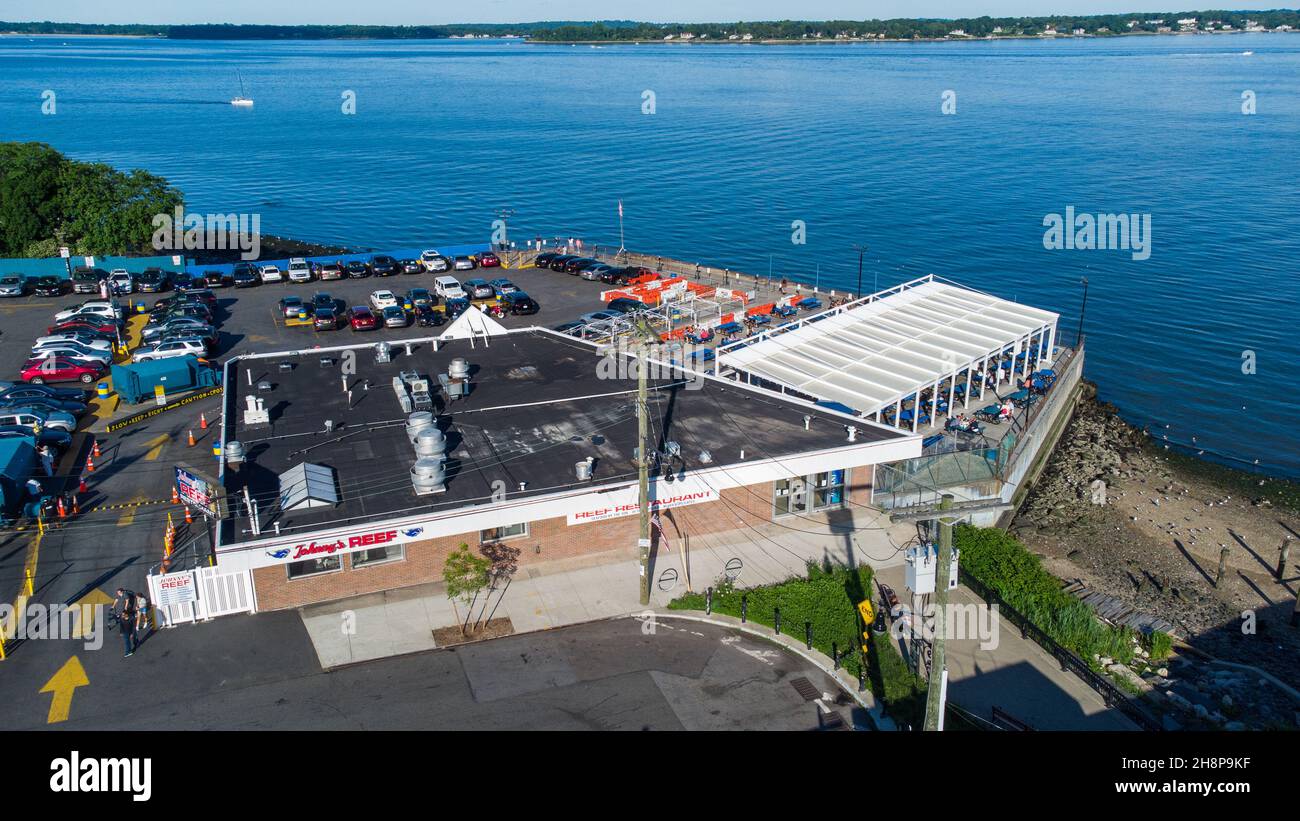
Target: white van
299 270
449 288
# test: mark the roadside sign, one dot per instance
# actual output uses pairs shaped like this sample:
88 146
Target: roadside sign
195 491
867 611
65 251
160 394
176 588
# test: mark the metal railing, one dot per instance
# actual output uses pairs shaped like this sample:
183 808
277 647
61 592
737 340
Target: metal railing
1110 694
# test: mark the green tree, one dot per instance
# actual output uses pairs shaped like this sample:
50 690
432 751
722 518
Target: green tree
29 202
465 575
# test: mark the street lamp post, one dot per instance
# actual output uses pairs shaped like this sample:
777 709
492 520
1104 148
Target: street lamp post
1082 308
861 249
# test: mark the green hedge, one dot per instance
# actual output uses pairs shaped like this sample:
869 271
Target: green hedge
1005 566
828 598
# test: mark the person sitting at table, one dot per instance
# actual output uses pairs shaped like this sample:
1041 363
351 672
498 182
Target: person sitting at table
1007 409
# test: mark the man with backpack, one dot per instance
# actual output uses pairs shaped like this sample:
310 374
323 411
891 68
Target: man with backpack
127 619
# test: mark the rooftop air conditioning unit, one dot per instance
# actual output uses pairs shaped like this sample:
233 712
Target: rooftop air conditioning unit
428 476
416 422
430 443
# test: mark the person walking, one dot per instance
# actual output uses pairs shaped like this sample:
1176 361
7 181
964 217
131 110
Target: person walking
143 624
126 623
47 459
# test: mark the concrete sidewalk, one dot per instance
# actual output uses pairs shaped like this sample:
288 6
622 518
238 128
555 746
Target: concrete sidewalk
604 585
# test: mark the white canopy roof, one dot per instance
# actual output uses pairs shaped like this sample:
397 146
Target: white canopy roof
875 352
472 322
307 485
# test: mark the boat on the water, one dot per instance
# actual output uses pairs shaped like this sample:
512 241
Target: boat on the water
241 100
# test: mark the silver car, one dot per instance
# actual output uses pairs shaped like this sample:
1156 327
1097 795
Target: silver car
11 286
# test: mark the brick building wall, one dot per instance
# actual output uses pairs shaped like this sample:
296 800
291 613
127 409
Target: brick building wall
738 508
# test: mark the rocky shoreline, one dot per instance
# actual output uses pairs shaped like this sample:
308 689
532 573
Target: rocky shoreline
1156 545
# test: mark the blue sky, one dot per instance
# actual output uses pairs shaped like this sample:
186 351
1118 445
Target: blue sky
412 12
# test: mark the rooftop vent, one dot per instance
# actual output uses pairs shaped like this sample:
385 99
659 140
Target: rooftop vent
383 353
234 452
583 469
416 422
428 476
256 413
430 442
456 381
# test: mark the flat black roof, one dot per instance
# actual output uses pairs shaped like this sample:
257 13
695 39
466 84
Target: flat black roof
538 404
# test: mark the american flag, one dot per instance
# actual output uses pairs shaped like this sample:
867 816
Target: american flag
620 209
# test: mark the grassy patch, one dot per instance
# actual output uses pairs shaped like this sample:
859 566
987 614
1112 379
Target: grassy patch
827 599
1003 564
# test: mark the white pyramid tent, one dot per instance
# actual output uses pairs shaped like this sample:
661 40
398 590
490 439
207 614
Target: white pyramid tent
473 323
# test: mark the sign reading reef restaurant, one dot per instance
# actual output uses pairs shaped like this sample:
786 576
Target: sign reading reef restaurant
631 507
195 492
176 588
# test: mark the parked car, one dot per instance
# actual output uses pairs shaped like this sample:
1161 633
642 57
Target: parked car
361 319
24 389
395 317
381 299
76 407
448 288
625 305
95 307
333 270
71 354
31 417
49 286
411 266
270 273
172 347
487 259
291 306
96 341
427 316
192 310
463 263
181 326
321 301
57 369
519 303
121 281
358 269
600 316
195 296
104 353
152 281
560 260
217 279
614 276
543 260
421 296
326 319
58 439
593 273
429 258
12 286
503 286
479 289
455 306
383 266
245 277
299 270
575 265
86 280
90 324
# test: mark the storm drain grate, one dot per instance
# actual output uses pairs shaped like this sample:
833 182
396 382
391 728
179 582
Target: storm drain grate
805 688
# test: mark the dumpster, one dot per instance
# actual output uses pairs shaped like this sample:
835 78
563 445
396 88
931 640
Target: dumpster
17 463
136 383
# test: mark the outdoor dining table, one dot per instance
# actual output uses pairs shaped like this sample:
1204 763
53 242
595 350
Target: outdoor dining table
1019 396
730 328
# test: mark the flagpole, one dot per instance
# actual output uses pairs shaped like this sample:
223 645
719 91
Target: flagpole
621 246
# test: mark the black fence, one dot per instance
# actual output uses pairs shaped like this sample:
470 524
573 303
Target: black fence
1112 695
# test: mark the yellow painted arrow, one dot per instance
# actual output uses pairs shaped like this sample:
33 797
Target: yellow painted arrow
156 446
70 676
88 609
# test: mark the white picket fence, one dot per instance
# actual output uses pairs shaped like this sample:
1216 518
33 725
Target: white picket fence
217 593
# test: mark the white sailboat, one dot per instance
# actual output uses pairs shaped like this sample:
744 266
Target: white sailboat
241 100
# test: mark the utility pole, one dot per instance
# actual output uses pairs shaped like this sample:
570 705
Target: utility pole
643 455
861 248
938 691
1082 308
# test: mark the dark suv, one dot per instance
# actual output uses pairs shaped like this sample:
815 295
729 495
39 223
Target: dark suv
383 266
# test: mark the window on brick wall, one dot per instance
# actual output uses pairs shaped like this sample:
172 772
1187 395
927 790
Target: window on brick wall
379 555
500 534
314 567
803 494
828 489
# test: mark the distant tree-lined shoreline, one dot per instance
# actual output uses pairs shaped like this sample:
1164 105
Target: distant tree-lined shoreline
561 31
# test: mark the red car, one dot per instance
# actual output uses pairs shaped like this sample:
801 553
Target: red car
487 259
92 324
361 319
58 369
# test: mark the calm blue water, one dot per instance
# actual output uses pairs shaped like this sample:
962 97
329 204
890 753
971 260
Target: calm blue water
746 140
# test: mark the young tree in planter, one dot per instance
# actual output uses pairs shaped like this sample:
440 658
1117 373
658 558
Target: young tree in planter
504 561
465 575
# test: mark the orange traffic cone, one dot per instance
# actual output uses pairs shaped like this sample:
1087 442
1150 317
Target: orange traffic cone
176 497
63 511
81 486
191 443
90 463
96 452
189 518
76 508
203 421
